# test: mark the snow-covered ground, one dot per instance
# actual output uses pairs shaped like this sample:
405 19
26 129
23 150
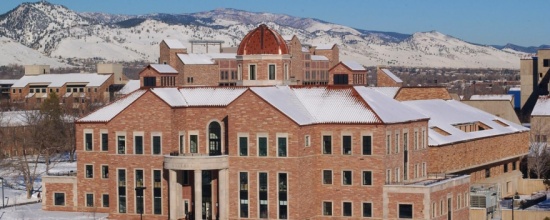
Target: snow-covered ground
34 211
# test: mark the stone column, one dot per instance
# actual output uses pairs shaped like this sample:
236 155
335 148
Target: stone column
198 194
172 187
223 194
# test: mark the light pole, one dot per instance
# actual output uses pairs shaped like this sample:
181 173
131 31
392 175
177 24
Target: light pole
139 192
2 179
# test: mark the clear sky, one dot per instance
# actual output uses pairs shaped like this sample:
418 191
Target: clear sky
498 22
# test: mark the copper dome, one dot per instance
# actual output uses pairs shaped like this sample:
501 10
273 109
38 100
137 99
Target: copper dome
262 40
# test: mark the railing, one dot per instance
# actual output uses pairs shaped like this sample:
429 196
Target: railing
431 178
63 173
212 153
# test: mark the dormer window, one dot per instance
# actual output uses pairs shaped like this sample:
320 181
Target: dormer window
149 81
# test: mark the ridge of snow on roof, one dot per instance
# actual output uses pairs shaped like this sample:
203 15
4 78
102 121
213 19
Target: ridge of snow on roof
198 96
194 58
542 107
354 65
323 46
174 44
131 85
8 81
393 76
108 112
492 97
163 68
387 91
318 57
388 109
58 80
446 113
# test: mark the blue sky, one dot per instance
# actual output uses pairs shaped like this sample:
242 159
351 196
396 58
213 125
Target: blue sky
477 21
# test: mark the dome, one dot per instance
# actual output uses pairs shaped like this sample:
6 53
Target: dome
262 40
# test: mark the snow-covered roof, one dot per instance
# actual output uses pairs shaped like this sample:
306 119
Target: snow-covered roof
163 68
131 85
492 97
393 76
305 49
198 96
323 46
387 108
388 91
222 55
542 108
319 57
8 81
444 114
193 58
108 112
174 44
355 66
58 80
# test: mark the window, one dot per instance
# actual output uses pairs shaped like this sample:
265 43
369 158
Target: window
139 193
89 171
122 191
327 144
105 199
307 141
367 145
121 144
514 165
31 90
416 140
262 146
104 171
271 71
327 176
104 142
252 72
424 169
505 167
340 79
182 143
388 176
423 138
415 170
388 144
189 79
282 146
405 211
157 193
346 178
367 209
243 146
397 175
396 143
185 177
89 200
327 208
149 81
243 194
88 141
367 178
346 145
487 172
283 201
263 195
138 142
59 199
346 210
434 208
157 147
214 138
193 143
458 202
546 62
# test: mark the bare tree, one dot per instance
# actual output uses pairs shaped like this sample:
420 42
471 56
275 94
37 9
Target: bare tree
538 161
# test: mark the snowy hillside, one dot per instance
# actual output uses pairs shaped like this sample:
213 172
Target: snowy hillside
63 34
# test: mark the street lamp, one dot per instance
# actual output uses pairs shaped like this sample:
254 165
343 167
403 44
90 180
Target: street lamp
139 192
516 196
2 179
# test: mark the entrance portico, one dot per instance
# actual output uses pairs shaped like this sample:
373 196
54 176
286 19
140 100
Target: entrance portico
198 164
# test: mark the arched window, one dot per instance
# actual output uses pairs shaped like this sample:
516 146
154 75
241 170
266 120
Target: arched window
214 138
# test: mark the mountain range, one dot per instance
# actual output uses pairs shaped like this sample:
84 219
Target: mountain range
45 33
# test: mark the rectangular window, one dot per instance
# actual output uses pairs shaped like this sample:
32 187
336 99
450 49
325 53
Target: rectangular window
346 178
104 171
262 146
424 169
121 142
88 141
416 140
405 211
149 81
367 209
327 144
182 143
157 193
243 146
139 193
243 194
89 171
347 209
307 141
282 146
59 199
263 195
346 145
487 172
514 165
193 143
546 62
505 167
397 175
327 208
367 178
283 201
157 145
405 141
396 143
104 141
105 199
423 139
122 191
388 176
388 144
89 200
138 142
327 176
271 72
252 72
367 145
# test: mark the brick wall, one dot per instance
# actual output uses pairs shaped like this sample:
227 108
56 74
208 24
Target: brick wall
383 80
422 93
